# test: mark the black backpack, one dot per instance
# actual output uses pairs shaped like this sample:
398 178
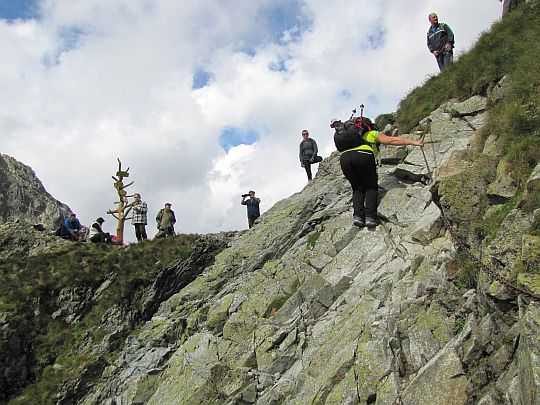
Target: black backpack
349 134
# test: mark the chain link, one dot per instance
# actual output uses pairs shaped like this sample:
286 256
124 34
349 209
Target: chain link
490 272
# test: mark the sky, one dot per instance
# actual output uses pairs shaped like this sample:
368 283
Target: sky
202 100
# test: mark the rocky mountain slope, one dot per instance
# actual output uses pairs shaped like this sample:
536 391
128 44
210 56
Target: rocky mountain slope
24 199
437 305
306 308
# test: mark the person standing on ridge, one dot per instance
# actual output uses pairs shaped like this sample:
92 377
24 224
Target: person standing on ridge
166 220
308 153
440 41
139 217
509 5
252 204
357 153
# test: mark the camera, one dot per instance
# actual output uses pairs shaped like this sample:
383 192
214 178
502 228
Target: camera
245 195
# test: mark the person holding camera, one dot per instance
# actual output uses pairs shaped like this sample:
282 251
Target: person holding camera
308 153
252 204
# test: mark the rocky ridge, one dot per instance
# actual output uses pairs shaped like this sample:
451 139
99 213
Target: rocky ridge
306 308
23 198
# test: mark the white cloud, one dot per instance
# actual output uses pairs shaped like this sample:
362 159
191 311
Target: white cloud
95 80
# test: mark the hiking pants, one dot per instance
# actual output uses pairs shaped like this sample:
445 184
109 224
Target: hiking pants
444 59
168 231
307 166
360 169
140 232
101 237
251 219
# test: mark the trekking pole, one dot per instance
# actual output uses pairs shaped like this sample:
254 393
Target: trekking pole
361 110
425 160
353 112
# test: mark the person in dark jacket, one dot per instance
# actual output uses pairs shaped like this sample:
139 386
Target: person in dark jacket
96 232
308 152
509 5
165 221
252 204
357 155
440 41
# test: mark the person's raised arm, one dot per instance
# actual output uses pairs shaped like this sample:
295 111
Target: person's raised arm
397 140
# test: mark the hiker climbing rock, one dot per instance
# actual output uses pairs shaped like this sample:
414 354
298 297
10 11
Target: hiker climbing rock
440 41
252 204
308 153
355 139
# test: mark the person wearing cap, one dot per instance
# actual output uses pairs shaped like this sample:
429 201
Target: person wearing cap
308 152
76 230
138 219
252 204
440 41
165 221
96 232
357 153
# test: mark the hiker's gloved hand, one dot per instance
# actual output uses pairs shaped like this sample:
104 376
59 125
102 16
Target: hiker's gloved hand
301 164
312 159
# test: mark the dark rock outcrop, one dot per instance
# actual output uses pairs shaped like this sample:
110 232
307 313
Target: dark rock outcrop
23 198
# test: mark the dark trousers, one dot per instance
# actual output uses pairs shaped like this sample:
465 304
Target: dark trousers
140 232
307 166
444 59
101 237
251 219
164 232
168 231
360 169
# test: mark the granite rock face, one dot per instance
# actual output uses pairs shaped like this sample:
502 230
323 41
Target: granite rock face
23 198
306 308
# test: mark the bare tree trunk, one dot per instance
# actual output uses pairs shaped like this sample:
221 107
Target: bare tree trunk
122 210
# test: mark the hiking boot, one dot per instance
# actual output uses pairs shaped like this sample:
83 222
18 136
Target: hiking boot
371 222
359 222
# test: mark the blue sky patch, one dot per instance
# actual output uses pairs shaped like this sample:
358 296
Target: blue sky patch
376 39
12 10
276 20
345 94
278 66
233 136
377 36
70 39
201 78
372 100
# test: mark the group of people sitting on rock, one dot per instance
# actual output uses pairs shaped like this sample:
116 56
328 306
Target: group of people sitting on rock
72 229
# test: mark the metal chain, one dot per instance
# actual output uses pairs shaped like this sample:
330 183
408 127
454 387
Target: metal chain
490 272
